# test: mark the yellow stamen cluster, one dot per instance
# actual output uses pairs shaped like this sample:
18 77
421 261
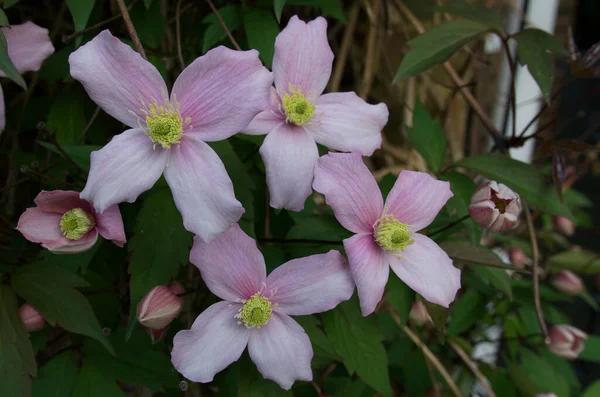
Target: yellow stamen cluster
391 235
298 108
75 223
256 312
164 124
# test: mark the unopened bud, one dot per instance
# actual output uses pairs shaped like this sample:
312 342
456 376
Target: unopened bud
419 314
158 308
566 341
176 288
31 318
563 225
494 206
518 258
546 395
157 334
568 282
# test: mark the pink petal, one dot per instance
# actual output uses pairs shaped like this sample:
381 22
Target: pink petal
347 123
268 119
222 91
290 155
427 269
416 199
202 189
2 112
312 284
66 246
231 265
350 190
123 169
281 351
28 46
369 269
215 341
39 226
61 201
110 225
117 78
303 56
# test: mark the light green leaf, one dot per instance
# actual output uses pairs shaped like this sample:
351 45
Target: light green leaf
427 137
463 188
214 33
7 66
81 11
261 30
67 116
57 377
593 390
535 48
91 383
534 375
79 154
278 7
474 12
467 310
401 296
579 261
523 178
437 45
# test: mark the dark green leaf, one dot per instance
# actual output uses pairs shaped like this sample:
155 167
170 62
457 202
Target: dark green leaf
437 45
351 389
427 137
467 310
321 345
523 178
72 262
535 375
591 351
261 30
331 8
91 383
535 48
147 3
474 12
79 154
214 33
593 390
250 383
579 261
3 18
463 188
57 377
67 117
10 3
463 252
52 291
498 278
278 7
81 11
149 24
322 227
7 66
401 296
439 315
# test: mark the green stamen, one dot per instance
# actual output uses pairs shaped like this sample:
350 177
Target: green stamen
391 235
256 312
76 223
297 107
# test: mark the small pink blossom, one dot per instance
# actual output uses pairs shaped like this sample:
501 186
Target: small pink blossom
66 224
159 307
494 206
28 47
256 309
419 314
568 282
386 235
300 115
31 318
566 341
518 258
564 225
215 97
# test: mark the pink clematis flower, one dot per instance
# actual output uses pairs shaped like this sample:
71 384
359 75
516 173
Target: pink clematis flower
386 234
299 115
66 224
215 97
256 309
28 47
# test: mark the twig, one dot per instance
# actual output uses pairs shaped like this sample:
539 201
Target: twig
512 66
131 29
342 56
372 51
222 22
178 34
450 225
88 126
473 367
70 37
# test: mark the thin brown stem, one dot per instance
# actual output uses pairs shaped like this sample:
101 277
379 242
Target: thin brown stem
81 137
298 241
372 51
342 56
131 29
473 367
512 66
178 34
222 22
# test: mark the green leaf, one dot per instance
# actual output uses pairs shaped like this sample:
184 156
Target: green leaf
351 389
463 188
474 12
147 3
214 33
328 8
401 296
437 45
523 178
6 64
322 227
467 310
427 137
17 361
52 291
462 251
79 154
535 48
278 7
593 390
250 383
319 341
159 247
67 117
57 377
261 30
10 3
81 11
535 375
71 262
91 383
591 351
439 315
579 261
496 277
358 340
3 18
149 24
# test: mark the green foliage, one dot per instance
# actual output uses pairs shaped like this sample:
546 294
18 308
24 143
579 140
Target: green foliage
215 33
401 296
278 8
474 12
261 30
534 375
57 377
463 188
67 117
80 155
81 11
3 18
591 351
91 383
593 390
7 66
427 137
580 261
466 311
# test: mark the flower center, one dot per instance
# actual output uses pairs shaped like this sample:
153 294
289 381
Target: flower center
391 235
164 124
75 223
501 204
256 311
298 108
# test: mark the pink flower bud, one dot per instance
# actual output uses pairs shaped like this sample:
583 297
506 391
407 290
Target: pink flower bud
157 334
31 318
518 258
566 341
176 288
494 206
564 225
158 308
568 282
546 395
418 314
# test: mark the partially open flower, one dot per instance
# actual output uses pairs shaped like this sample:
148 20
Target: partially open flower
419 314
518 258
566 341
563 225
158 308
494 206
65 224
31 318
568 282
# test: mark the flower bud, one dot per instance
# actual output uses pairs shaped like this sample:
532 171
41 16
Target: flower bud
566 341
518 258
157 334
546 395
31 318
494 206
568 282
418 314
176 288
158 308
563 225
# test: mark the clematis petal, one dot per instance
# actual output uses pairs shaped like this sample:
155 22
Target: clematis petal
39 226
61 201
66 246
231 265
312 284
215 341
369 269
347 123
222 91
202 189
110 225
302 56
416 199
350 190
117 78
28 46
427 269
123 169
290 155
2 112
268 119
281 351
